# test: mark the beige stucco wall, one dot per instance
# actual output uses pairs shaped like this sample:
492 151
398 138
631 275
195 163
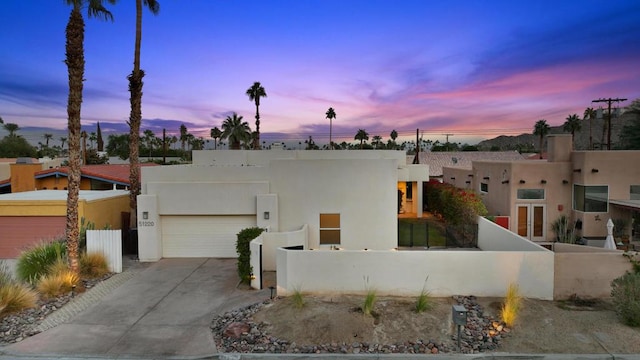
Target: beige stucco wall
479 273
586 271
618 170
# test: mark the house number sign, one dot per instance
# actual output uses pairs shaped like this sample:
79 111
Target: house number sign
142 223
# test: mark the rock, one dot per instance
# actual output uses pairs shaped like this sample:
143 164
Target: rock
434 350
236 329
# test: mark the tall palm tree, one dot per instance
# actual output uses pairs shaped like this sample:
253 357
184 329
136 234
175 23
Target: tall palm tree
183 136
93 137
215 135
376 141
590 114
361 135
571 125
541 129
75 64
11 128
135 117
255 92
149 139
47 137
236 130
62 141
331 114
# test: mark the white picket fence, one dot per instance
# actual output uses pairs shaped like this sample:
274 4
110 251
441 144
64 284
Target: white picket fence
109 243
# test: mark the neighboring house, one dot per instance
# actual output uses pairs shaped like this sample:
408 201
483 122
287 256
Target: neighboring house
348 199
22 170
32 216
588 186
438 160
28 176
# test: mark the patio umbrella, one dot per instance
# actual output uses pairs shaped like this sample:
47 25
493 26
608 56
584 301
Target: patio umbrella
609 243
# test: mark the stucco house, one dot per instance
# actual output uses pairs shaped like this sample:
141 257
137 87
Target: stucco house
348 199
29 217
587 186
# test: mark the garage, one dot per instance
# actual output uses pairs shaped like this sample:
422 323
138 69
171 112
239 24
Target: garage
202 236
20 232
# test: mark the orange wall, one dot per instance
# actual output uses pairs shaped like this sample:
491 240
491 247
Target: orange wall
22 178
61 183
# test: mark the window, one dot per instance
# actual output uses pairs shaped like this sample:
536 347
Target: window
329 229
591 198
634 192
530 194
484 187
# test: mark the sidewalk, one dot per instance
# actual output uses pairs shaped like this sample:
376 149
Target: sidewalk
161 311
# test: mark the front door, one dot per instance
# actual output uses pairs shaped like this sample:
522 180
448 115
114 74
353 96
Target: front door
530 221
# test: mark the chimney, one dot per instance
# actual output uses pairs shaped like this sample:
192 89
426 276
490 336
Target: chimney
559 147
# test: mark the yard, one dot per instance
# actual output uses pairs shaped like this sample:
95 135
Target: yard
420 232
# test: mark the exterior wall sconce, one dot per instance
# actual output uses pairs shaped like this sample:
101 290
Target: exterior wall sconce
266 215
543 181
145 215
522 181
565 181
594 170
467 182
577 170
470 175
505 181
486 178
453 178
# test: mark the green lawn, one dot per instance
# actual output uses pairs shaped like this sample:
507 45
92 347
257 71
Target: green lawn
426 232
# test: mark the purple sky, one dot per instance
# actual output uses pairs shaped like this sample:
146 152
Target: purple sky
474 69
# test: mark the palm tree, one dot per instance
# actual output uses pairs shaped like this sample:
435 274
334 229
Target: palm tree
215 135
255 92
11 128
149 138
93 137
361 135
590 114
75 64
62 141
331 114
376 141
572 125
173 140
183 136
541 129
47 137
135 116
236 130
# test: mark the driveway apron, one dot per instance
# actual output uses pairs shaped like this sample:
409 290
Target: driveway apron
164 311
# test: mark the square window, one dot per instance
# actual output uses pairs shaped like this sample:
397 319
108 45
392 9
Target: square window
591 198
329 229
484 187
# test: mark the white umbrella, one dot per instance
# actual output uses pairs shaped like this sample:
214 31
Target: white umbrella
609 243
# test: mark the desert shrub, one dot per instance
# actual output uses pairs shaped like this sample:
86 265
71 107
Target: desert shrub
511 306
424 301
6 276
56 284
625 292
93 265
563 229
369 299
298 298
15 297
35 262
244 252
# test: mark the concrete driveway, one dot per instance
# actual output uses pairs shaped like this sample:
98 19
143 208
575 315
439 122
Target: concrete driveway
162 312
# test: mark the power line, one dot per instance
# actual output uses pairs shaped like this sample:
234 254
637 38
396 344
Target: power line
609 101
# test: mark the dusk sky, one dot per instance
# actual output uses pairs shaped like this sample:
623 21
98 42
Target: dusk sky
474 69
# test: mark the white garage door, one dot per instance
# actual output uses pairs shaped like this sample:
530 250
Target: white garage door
202 236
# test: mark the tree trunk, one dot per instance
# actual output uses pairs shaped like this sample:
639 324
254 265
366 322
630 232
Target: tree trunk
135 118
75 65
256 144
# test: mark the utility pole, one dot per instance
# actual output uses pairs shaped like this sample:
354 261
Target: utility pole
164 146
447 143
609 101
